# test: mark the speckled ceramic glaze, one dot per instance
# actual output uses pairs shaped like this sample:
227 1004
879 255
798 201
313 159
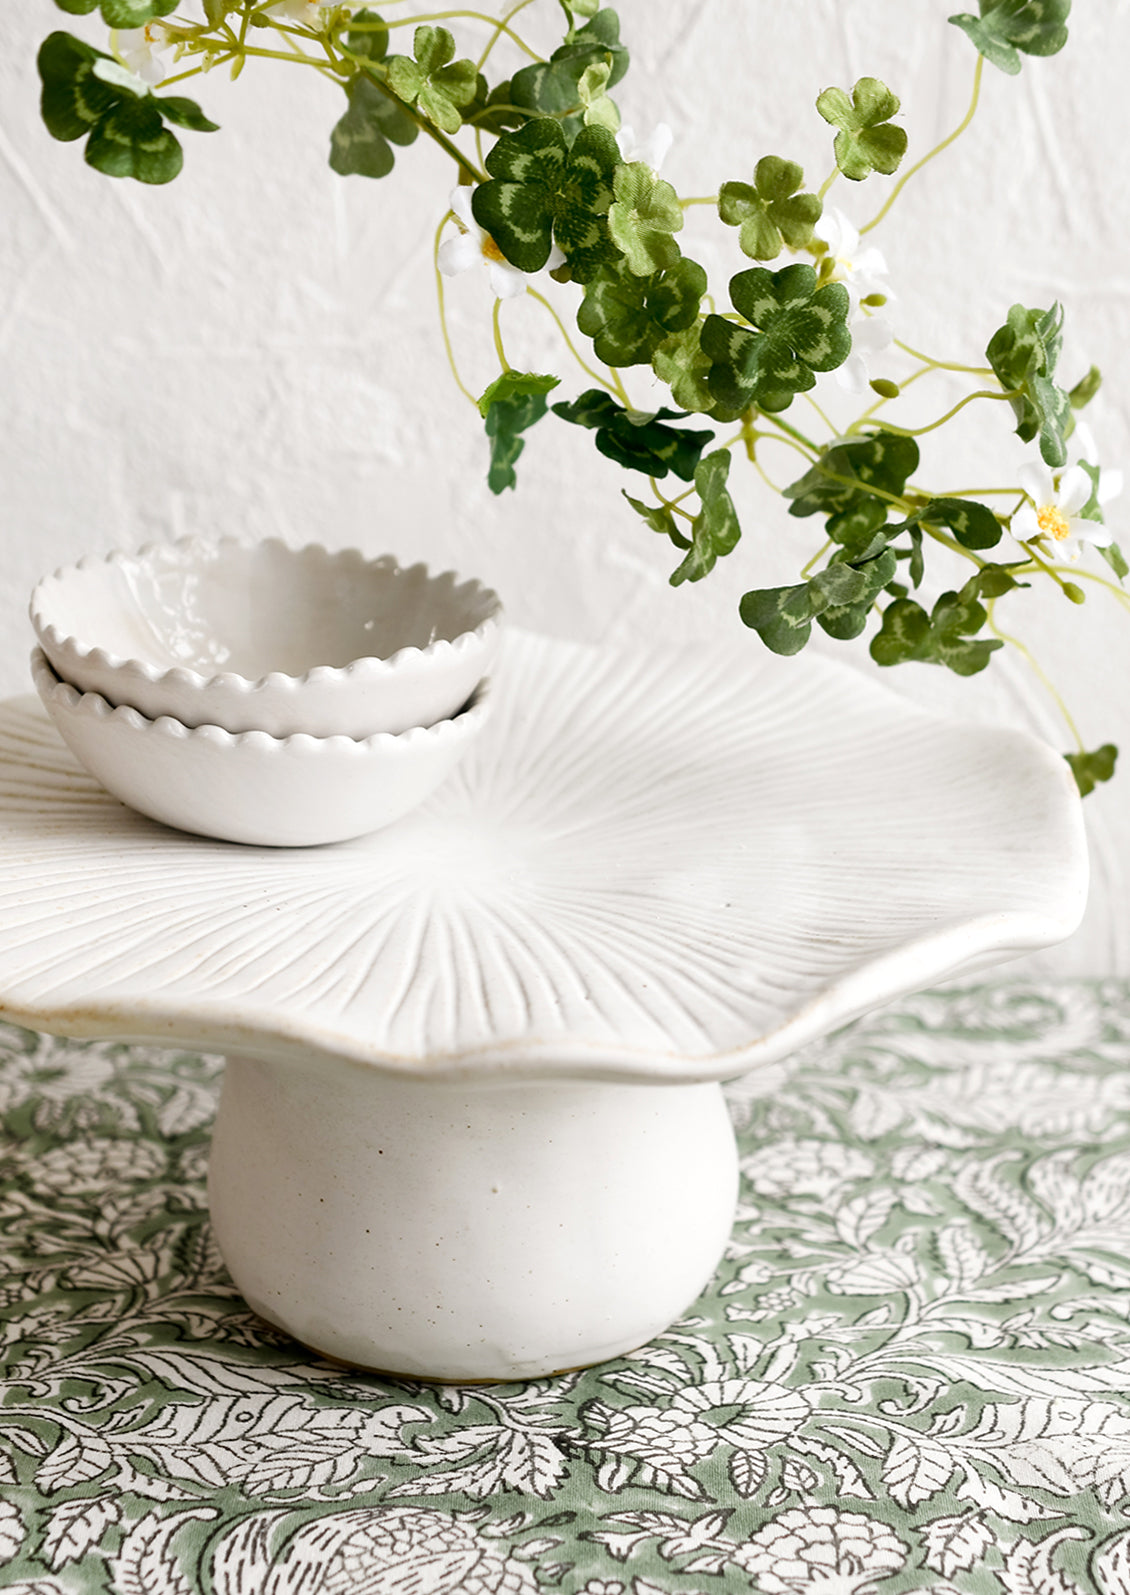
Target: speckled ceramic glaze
264 637
295 791
469 1048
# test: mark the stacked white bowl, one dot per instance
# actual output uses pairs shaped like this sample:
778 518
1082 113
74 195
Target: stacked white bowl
261 693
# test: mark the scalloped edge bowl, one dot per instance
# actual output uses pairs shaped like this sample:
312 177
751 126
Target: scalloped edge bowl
297 791
265 637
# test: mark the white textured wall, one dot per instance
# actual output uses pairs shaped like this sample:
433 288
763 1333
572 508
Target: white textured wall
253 349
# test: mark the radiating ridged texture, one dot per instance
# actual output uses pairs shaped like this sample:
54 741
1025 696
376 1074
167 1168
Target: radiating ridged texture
651 864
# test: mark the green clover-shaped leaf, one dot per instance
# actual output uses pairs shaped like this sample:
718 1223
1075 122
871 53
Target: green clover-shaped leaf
661 519
867 141
1006 27
361 141
847 472
540 190
492 109
367 36
1086 388
511 405
88 94
681 362
578 8
973 525
839 598
943 637
552 88
845 618
715 530
1023 354
1091 768
599 107
439 86
120 13
641 219
770 212
629 317
797 330
637 442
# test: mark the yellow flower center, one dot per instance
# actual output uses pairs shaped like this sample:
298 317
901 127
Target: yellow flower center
1053 521
491 250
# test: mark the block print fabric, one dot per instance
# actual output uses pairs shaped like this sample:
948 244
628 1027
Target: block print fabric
910 1373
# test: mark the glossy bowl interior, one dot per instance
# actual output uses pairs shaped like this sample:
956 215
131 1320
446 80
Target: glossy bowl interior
295 791
266 637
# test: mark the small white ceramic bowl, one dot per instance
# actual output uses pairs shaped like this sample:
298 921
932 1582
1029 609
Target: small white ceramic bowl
250 787
263 637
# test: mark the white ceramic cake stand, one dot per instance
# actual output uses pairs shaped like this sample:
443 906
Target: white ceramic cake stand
471 1126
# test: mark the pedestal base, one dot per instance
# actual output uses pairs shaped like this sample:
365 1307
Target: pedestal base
468 1231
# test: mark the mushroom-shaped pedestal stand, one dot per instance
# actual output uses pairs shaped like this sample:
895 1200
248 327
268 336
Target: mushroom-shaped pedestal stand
472 1126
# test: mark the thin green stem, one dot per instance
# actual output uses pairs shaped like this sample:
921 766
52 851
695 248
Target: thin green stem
459 383
1101 581
816 558
947 541
937 150
421 121
569 344
699 199
672 504
496 325
791 443
1034 665
940 365
499 25
827 183
792 432
196 71
1046 565
920 431
246 50
976 492
826 420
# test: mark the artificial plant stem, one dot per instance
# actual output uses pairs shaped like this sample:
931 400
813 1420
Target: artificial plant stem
790 443
1045 565
939 365
814 406
792 431
672 504
948 542
816 558
195 71
501 26
421 121
569 344
1032 663
937 150
920 431
459 383
496 325
1090 576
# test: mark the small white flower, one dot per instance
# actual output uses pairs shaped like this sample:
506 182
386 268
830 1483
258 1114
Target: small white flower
653 150
139 48
862 270
870 335
1054 511
473 246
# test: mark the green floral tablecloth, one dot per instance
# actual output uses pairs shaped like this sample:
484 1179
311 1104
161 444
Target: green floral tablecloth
911 1372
